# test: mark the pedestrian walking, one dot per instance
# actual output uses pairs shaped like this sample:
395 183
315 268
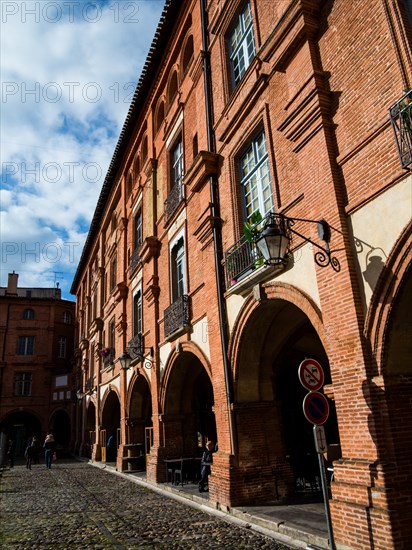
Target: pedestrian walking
49 447
29 455
205 463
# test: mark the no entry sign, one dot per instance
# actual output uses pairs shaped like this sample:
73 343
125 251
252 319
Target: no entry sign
316 408
311 375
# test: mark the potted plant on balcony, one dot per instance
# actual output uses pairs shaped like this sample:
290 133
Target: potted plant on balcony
105 352
251 230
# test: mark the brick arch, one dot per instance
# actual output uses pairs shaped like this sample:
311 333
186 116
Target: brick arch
187 54
384 297
280 291
103 401
138 373
174 358
172 86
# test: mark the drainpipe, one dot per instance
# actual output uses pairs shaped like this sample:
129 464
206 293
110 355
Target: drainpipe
217 227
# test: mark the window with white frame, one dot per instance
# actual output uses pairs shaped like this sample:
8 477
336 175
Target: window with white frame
177 163
138 235
61 347
25 345
178 269
255 178
241 44
23 383
28 314
137 313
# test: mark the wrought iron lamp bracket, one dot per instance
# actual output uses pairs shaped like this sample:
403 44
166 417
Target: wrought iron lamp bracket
324 256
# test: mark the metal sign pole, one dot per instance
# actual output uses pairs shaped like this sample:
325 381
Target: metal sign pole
324 489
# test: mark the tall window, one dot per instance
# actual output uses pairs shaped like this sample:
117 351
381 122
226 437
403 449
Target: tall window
241 44
178 269
25 345
22 383
177 163
137 313
255 178
113 273
61 347
138 235
112 335
67 317
28 314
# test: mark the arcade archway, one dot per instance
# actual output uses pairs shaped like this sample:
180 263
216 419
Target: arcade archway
60 425
188 406
21 426
89 437
140 411
111 425
275 441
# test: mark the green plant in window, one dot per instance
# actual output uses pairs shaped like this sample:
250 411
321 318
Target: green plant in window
251 230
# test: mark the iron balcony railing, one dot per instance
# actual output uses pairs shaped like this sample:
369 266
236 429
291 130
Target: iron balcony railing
174 198
177 315
240 260
401 120
136 346
135 260
108 359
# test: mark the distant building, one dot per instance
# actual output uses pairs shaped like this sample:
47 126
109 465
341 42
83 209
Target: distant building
279 109
36 365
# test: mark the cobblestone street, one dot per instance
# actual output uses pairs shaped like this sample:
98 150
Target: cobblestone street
75 505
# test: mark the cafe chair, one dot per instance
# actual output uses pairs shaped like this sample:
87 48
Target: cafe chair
178 475
170 475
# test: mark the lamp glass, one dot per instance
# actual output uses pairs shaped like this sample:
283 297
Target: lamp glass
125 360
273 243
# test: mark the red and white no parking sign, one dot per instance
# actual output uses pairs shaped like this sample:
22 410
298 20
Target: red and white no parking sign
311 375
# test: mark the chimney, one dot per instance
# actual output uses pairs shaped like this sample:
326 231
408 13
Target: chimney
12 284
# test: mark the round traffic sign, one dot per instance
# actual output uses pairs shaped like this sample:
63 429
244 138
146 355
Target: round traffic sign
316 408
311 375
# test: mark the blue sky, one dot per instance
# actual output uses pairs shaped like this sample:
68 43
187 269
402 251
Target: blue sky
68 72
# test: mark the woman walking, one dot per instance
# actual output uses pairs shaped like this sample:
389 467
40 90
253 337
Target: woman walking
49 446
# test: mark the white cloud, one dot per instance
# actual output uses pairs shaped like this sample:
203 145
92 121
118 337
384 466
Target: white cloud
66 88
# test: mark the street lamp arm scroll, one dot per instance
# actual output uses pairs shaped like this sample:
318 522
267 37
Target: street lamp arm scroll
324 256
273 237
125 359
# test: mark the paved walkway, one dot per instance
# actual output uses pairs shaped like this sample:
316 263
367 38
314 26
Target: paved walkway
83 506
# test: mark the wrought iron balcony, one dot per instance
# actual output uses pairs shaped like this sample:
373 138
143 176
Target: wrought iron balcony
401 120
177 316
135 260
108 355
136 346
174 198
240 260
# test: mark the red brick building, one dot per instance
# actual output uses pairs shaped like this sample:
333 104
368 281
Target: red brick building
248 110
36 365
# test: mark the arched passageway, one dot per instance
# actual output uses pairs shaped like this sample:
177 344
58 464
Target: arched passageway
188 407
139 424
60 425
90 428
110 426
276 452
21 426
395 450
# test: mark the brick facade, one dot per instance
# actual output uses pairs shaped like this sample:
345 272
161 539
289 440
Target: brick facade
282 109
36 366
